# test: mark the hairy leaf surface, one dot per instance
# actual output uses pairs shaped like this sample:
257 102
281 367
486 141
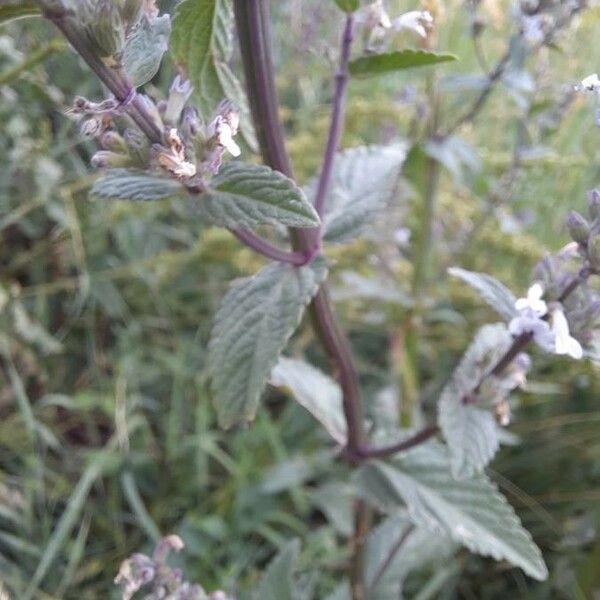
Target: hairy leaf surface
497 295
320 395
364 181
470 511
256 319
145 47
131 184
243 194
395 549
471 431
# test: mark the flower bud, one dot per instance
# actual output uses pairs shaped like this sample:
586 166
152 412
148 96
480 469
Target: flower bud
91 127
179 94
137 145
579 228
593 253
106 28
594 203
191 122
112 140
104 159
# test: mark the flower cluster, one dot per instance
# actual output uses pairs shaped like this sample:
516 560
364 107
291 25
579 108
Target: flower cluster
561 311
157 578
190 150
378 24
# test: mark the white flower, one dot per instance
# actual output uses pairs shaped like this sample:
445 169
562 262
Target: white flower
533 301
564 343
530 322
418 21
224 128
590 84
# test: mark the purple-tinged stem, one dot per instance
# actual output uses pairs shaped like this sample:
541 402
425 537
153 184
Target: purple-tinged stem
411 442
297 258
253 29
337 117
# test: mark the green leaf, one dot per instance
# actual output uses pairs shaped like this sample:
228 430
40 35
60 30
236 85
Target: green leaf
364 182
348 5
498 296
375 64
277 582
202 44
320 395
471 431
457 156
246 195
396 548
144 48
470 511
130 184
17 9
255 321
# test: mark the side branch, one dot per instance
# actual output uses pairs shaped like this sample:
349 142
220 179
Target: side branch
337 117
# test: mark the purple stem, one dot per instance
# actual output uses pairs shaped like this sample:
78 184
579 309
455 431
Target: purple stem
392 449
297 258
252 21
337 117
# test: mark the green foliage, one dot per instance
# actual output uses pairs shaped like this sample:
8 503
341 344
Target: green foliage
315 391
364 182
17 9
470 430
252 326
277 582
202 45
348 5
496 294
470 511
246 195
378 64
145 47
130 184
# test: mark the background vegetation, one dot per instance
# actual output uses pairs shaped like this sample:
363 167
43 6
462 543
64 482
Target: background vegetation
107 436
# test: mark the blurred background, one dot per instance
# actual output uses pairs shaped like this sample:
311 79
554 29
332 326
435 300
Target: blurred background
107 435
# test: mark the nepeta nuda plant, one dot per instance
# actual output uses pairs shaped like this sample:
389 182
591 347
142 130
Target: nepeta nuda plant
417 494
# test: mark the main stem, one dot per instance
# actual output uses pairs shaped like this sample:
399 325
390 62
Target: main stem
252 19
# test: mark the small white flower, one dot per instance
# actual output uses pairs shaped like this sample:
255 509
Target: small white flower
533 301
590 84
564 343
224 127
529 321
418 21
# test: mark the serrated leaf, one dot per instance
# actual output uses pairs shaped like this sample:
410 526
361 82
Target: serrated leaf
471 431
145 47
277 582
256 319
17 9
202 44
246 195
375 64
470 511
364 181
497 295
396 548
348 5
131 184
320 395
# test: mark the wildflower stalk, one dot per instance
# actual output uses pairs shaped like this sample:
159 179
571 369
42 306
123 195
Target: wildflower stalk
122 89
252 19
